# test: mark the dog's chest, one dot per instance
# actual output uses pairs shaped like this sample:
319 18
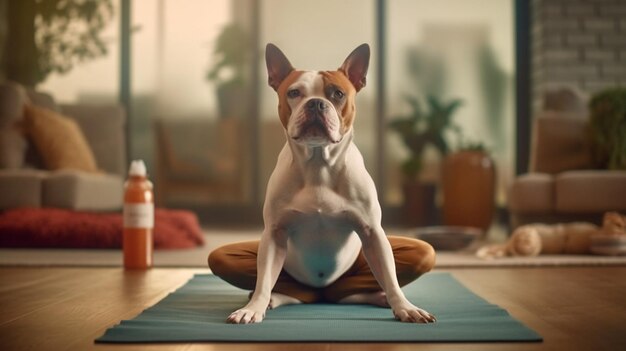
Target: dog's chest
321 244
318 199
319 221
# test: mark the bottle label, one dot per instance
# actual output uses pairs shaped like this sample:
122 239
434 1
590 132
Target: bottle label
138 215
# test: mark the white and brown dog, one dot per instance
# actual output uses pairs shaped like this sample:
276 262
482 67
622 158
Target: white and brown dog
321 209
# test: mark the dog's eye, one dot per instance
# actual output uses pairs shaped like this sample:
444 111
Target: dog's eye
293 93
338 94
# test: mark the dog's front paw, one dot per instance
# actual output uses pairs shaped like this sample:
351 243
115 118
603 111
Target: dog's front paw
409 313
246 315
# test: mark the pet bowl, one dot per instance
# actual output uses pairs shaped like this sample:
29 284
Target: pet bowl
448 237
609 245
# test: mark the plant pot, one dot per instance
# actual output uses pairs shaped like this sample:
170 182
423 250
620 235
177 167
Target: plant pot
419 203
468 181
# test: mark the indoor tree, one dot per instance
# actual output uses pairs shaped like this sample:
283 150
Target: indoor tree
46 36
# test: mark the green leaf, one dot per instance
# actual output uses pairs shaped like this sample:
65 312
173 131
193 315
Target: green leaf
411 167
415 105
608 128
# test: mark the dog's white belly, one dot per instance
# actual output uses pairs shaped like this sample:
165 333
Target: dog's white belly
321 246
318 256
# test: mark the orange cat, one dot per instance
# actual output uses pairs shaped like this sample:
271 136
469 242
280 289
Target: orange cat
569 238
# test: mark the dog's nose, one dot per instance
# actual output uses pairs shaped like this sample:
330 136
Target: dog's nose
316 105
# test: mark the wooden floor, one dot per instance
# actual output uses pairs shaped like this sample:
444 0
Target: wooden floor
67 308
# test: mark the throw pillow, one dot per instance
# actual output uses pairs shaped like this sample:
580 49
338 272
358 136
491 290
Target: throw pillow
59 140
559 143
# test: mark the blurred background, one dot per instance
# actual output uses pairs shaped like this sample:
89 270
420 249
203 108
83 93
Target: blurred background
192 78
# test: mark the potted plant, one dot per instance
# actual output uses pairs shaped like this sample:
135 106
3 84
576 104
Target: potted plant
229 71
607 128
418 130
468 184
46 37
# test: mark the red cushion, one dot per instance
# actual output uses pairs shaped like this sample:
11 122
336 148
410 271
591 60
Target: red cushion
52 227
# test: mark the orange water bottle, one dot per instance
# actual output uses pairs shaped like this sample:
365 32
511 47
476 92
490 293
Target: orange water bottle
138 218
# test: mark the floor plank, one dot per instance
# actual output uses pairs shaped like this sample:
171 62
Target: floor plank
96 299
60 285
67 308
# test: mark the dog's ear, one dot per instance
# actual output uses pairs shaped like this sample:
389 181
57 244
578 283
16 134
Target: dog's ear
355 66
278 66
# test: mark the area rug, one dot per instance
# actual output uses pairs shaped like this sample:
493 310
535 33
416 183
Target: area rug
197 311
60 228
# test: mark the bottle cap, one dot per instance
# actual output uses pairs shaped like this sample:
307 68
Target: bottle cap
137 168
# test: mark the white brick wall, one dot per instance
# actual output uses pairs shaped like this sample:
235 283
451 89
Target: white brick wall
579 43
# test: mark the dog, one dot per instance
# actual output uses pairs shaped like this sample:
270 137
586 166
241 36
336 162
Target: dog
321 211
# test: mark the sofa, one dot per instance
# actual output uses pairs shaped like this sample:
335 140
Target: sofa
88 142
562 184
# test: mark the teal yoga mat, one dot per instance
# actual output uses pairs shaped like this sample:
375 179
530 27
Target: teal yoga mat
198 310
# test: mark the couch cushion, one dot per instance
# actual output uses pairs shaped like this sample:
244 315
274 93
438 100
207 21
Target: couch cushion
12 141
59 140
532 193
42 99
560 143
590 191
566 99
104 129
20 188
12 148
12 100
82 191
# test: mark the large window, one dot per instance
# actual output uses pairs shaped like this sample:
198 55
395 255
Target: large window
452 49
185 122
314 38
198 85
93 80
